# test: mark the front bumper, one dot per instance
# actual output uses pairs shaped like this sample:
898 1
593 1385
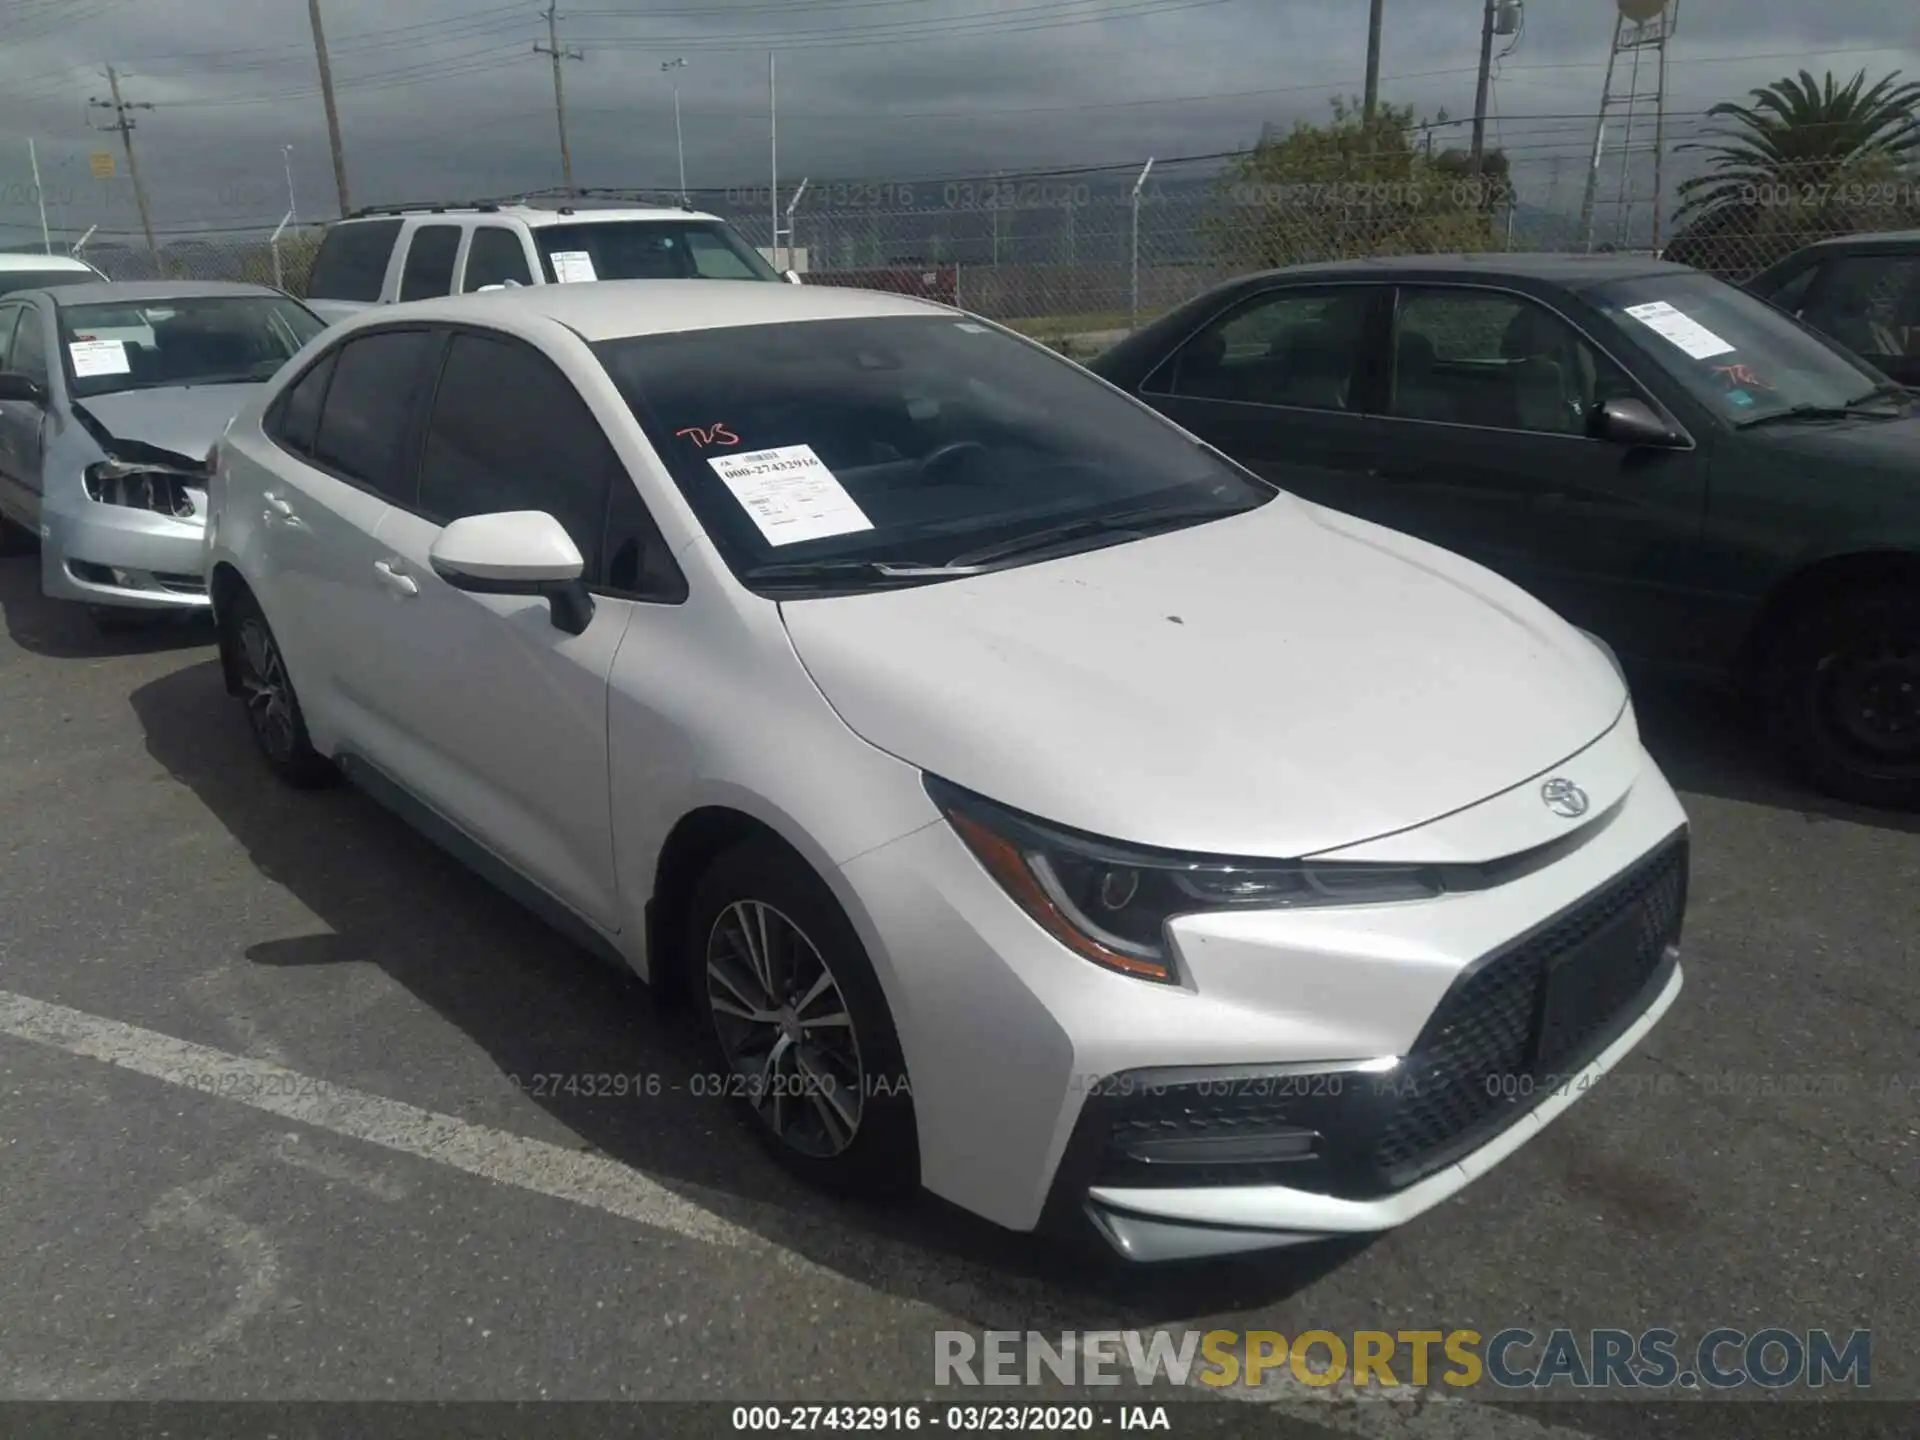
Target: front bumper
1034 1072
104 554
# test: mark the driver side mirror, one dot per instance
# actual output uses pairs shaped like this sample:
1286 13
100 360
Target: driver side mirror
1627 421
15 386
516 552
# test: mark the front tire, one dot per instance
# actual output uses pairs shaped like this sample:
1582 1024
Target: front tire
795 1013
273 709
1843 696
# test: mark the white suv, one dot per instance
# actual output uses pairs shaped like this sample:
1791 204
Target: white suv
388 254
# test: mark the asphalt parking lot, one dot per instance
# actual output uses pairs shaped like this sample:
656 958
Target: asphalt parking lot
400 1219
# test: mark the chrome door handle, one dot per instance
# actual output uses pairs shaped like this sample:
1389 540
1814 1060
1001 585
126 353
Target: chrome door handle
277 506
394 580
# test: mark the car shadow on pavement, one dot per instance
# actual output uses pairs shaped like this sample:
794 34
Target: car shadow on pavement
1708 743
539 1006
63 631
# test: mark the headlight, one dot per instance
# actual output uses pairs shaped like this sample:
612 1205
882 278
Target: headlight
115 482
1110 902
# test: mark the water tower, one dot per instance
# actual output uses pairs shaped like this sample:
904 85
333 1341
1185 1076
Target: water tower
1632 118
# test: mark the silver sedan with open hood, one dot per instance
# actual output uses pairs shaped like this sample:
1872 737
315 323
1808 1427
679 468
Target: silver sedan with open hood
111 396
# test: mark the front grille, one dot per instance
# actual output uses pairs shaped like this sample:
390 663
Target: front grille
1494 1044
1505 1034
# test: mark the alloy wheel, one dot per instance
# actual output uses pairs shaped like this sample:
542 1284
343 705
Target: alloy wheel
785 1029
263 681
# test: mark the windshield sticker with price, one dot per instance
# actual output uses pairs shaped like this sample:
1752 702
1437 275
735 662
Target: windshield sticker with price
790 494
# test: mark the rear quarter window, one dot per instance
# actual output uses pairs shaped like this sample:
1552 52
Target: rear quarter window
352 263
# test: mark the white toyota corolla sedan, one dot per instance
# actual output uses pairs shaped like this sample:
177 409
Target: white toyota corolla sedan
1032 804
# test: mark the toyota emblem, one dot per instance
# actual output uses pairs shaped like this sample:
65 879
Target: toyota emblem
1564 798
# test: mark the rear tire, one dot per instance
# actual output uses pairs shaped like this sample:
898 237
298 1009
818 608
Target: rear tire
1842 691
817 1070
273 709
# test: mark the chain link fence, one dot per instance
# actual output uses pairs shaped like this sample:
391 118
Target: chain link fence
1077 258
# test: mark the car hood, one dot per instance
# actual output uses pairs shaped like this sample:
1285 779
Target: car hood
182 419
1884 444
1281 683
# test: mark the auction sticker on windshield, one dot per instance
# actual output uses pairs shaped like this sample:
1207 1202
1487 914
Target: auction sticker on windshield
571 267
98 357
1680 329
790 494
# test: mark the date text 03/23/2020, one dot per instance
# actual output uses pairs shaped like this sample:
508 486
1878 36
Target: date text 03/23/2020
952 1419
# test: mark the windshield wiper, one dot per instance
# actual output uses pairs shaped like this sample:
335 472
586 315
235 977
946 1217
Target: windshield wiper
1138 521
804 570
1852 409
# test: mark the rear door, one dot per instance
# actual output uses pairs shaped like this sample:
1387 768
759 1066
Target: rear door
350 432
1279 381
426 271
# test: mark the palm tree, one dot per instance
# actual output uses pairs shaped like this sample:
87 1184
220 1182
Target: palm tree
1801 162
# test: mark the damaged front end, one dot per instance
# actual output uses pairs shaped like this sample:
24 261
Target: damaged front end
144 477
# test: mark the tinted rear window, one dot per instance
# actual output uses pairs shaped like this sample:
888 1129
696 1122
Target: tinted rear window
352 262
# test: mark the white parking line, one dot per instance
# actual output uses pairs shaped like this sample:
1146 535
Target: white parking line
477 1149
606 1185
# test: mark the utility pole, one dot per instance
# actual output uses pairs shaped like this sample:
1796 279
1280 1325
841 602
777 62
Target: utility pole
1373 60
554 48
123 124
1480 91
679 145
333 112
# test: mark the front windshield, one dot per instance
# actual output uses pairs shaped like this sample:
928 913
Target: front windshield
12 280
647 250
204 340
1734 353
906 440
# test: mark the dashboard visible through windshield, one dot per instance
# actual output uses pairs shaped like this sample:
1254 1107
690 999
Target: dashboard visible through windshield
1734 353
200 340
854 453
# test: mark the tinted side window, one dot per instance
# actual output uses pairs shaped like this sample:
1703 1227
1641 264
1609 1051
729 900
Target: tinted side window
429 268
296 419
509 432
1869 303
352 263
1295 348
1482 357
1789 295
8 319
495 256
367 423
27 355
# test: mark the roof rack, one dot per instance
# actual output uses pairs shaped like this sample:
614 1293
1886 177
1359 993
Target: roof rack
424 207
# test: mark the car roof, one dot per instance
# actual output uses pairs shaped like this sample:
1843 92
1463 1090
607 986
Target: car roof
1573 271
105 292
21 260
1892 239
616 309
536 216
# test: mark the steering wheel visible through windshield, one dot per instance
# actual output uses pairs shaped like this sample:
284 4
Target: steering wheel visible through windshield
198 340
1736 354
889 445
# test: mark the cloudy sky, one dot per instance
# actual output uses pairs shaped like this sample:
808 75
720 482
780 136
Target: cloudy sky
445 98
